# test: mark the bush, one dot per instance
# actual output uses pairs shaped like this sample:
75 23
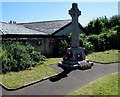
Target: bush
63 45
116 29
101 42
95 42
87 46
90 43
16 56
114 21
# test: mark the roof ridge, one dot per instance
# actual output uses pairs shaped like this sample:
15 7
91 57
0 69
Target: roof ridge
4 22
45 21
12 24
18 27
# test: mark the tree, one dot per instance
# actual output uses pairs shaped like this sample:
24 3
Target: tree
95 26
90 27
114 21
105 20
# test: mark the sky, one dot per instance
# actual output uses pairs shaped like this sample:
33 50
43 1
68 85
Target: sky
46 11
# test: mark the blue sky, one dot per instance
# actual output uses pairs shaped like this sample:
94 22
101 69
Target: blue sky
45 11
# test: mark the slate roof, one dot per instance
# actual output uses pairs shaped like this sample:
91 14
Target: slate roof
6 28
35 28
47 27
1 33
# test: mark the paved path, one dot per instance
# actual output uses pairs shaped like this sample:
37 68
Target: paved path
74 80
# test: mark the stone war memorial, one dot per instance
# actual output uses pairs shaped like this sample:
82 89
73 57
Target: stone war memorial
75 56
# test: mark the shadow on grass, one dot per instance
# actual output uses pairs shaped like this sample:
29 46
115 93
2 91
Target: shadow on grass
61 75
52 79
65 73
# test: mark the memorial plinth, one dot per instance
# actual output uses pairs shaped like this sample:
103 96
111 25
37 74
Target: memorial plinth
75 56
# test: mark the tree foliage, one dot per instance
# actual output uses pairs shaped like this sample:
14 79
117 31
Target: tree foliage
62 46
16 56
114 21
95 27
101 24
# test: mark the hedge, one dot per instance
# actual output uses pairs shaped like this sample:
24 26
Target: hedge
16 56
95 42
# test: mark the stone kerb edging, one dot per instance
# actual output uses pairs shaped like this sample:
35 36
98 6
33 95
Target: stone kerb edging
104 63
13 89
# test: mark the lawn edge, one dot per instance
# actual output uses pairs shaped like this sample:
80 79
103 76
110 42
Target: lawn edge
103 63
94 81
29 84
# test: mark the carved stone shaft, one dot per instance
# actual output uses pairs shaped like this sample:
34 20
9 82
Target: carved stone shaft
75 13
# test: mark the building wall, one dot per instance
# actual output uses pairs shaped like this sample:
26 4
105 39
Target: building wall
67 30
48 46
45 45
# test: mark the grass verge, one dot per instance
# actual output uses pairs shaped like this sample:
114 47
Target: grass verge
106 85
105 56
51 61
18 79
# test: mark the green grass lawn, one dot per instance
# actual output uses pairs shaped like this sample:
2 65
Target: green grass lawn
106 85
51 61
105 56
18 79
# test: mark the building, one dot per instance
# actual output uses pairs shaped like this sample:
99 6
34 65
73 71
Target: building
43 35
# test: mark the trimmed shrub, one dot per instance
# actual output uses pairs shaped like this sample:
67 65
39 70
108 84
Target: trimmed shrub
87 46
16 56
62 46
114 21
101 42
95 42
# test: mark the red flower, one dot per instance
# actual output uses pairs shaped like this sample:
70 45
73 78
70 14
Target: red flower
69 53
79 57
65 58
